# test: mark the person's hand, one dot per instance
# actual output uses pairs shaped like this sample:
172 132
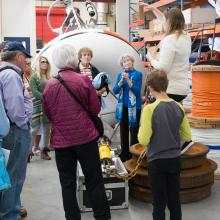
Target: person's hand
100 91
124 75
156 11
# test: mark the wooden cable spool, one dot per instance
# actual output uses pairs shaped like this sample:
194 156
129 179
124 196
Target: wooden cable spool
193 157
196 179
189 178
201 122
186 196
206 91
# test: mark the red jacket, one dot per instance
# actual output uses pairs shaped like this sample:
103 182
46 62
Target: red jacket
71 124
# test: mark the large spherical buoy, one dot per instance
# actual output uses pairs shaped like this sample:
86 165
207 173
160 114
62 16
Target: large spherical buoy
107 47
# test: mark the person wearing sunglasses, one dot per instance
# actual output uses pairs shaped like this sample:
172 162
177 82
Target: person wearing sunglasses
40 123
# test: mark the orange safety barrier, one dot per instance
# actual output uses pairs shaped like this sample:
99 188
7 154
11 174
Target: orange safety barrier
206 91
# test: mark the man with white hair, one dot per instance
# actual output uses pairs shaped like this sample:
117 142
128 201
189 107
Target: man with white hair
18 106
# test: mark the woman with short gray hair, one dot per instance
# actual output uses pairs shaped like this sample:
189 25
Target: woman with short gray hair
128 86
125 57
65 56
74 136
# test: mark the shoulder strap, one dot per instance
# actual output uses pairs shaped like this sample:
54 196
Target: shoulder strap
58 77
8 67
11 68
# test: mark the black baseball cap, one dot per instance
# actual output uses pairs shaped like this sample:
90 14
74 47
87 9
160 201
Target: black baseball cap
15 46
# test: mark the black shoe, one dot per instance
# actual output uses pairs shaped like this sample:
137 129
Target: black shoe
23 212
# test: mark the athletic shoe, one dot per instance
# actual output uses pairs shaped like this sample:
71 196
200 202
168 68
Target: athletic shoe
186 146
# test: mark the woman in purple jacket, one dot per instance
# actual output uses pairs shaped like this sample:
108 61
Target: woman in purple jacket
74 135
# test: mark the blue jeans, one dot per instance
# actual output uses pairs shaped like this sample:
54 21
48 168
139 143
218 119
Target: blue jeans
18 142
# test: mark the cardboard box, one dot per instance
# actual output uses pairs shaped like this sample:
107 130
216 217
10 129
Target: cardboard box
141 12
139 15
199 15
145 33
156 26
116 190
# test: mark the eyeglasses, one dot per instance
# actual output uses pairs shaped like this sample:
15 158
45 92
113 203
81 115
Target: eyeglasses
44 62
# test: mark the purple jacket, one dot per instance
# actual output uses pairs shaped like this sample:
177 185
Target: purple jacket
71 124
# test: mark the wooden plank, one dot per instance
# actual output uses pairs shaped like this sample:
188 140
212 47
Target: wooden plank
160 4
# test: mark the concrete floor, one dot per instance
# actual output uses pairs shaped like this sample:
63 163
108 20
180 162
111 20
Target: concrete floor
42 199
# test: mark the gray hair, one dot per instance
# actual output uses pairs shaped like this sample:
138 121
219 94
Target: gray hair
124 57
65 56
8 55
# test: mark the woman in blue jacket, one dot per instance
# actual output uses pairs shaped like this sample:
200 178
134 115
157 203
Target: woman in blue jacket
128 86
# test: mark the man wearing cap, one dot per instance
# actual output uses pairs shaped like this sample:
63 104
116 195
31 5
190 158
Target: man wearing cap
18 107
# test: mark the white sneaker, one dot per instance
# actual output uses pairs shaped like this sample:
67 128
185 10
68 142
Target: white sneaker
186 146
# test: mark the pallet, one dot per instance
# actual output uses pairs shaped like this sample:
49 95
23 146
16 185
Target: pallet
205 68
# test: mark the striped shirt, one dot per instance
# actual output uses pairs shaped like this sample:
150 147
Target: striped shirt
85 71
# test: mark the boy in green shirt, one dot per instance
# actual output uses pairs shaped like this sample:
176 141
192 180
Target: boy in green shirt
163 126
